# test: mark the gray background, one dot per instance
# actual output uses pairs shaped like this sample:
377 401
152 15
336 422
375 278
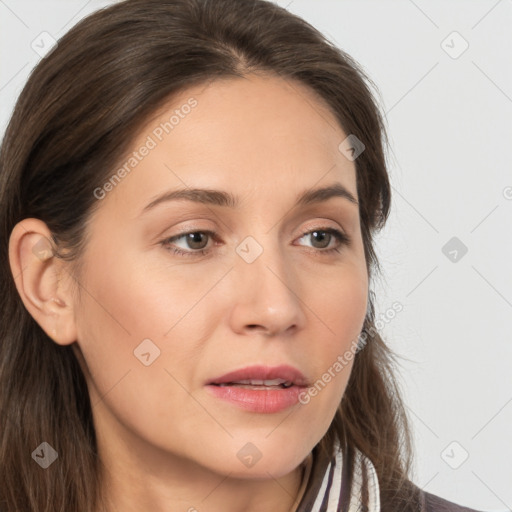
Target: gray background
449 116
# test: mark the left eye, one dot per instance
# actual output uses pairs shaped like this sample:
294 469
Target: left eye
320 235
198 240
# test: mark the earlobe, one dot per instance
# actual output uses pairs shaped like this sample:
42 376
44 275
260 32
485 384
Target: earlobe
41 278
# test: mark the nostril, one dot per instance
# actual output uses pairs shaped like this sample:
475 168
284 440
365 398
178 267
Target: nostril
256 327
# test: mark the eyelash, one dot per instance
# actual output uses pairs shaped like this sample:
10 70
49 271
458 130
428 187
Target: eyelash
341 237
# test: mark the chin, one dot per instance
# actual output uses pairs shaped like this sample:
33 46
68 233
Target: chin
263 470
263 459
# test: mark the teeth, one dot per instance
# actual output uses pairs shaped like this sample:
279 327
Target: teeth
256 382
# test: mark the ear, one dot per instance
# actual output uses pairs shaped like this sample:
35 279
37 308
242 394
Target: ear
42 280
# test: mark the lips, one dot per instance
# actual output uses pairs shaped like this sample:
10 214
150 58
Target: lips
259 389
259 384
283 376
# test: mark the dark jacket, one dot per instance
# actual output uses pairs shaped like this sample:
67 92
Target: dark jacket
434 503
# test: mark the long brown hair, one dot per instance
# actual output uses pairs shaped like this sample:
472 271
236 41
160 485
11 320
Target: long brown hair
75 118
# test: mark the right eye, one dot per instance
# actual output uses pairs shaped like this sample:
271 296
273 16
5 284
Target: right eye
192 239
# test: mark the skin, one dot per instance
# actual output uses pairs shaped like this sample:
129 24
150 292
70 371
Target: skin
166 443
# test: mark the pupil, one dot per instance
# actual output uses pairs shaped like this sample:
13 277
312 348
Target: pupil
192 240
315 233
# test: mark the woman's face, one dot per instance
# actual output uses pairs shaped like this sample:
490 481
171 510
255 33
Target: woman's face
262 283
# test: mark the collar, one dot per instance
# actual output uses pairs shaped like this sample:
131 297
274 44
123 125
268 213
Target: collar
330 486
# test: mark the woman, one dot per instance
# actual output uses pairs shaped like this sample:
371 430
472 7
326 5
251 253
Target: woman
189 195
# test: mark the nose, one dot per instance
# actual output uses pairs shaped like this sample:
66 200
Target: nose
268 296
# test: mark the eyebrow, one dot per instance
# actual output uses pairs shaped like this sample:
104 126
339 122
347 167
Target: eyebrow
226 199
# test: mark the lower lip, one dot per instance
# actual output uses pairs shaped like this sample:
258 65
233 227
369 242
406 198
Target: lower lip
258 400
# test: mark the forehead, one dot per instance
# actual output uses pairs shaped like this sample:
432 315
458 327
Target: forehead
258 133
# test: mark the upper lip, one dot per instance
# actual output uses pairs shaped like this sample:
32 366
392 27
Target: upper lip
260 372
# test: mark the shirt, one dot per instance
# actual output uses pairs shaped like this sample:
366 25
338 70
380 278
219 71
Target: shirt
326 482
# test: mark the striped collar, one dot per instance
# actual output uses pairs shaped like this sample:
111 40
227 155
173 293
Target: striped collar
328 486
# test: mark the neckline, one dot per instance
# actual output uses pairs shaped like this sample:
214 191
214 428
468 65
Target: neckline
307 465
345 479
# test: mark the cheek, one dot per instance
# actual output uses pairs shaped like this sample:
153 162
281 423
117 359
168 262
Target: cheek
341 307
338 310
124 304
122 325
134 299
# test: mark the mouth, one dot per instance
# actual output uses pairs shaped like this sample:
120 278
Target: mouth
258 384
260 389
282 376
